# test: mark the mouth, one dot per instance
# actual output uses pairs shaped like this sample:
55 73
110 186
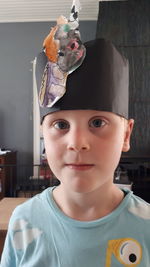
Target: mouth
80 166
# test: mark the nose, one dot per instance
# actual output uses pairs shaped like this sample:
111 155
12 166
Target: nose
78 141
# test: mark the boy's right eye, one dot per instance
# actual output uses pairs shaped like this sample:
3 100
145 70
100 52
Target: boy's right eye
62 125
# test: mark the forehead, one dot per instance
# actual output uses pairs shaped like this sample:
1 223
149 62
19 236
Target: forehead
70 114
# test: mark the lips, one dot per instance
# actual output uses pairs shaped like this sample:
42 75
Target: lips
79 166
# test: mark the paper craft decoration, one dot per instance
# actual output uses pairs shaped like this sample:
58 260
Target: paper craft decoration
65 53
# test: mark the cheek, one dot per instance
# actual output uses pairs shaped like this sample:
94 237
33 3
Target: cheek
111 146
53 151
117 142
117 146
113 138
52 154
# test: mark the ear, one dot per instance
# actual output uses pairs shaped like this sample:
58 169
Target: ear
128 131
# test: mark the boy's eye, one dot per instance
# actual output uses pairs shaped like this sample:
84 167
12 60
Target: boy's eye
61 125
97 123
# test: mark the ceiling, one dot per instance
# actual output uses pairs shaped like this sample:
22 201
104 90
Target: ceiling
44 10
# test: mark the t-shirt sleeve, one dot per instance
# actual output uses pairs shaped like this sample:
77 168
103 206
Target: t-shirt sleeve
23 238
8 258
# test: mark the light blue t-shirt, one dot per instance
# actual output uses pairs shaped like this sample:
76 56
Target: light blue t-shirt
40 235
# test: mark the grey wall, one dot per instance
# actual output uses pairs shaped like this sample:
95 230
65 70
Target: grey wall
19 44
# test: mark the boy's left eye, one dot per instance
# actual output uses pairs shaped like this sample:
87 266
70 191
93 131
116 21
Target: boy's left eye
97 123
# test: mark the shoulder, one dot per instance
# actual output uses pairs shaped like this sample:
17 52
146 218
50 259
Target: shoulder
39 199
30 225
36 207
138 207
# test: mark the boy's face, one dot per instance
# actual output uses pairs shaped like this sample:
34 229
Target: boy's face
83 147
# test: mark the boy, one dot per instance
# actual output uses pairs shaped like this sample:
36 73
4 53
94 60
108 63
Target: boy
87 220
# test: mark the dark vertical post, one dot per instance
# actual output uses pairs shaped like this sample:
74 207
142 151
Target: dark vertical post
127 24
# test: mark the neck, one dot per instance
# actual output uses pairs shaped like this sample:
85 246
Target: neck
88 206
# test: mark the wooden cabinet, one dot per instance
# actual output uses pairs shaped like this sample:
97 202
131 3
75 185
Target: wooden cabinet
8 163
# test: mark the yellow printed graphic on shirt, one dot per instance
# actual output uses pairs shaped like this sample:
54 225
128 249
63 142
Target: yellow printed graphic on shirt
127 251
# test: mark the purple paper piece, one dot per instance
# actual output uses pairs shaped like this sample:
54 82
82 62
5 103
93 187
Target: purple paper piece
53 87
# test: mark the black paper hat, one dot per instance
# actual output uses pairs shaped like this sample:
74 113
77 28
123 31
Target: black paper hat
100 83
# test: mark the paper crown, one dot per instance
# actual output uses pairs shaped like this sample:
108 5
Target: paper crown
100 83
